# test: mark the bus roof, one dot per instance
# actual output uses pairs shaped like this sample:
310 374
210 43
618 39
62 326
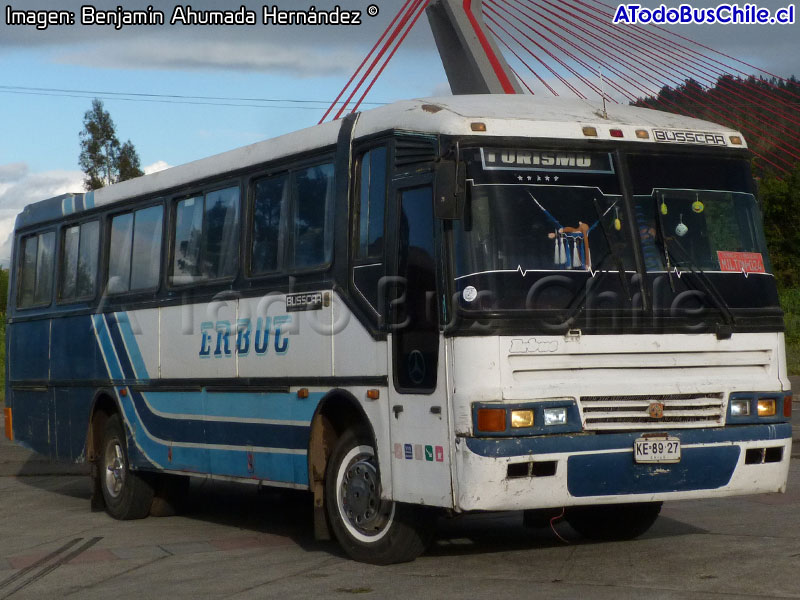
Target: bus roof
503 115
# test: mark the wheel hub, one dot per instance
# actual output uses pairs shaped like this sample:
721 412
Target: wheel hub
361 495
114 468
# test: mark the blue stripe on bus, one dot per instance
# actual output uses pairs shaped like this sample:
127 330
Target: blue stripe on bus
276 406
124 324
199 431
116 338
612 474
88 200
154 436
106 347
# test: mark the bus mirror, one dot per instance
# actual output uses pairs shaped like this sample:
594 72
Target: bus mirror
449 190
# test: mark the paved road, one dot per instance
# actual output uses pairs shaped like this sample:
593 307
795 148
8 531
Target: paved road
237 542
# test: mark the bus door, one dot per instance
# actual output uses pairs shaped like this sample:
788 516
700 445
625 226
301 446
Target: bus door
417 387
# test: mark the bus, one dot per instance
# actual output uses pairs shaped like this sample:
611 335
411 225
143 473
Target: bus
435 307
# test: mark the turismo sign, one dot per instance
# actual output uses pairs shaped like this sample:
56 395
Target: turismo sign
552 161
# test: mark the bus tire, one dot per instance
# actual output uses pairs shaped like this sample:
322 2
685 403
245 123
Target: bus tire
369 529
127 494
613 522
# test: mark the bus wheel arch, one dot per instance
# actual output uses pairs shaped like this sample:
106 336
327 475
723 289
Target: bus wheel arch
338 412
103 406
107 451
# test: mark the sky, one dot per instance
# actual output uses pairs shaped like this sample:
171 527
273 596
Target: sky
50 77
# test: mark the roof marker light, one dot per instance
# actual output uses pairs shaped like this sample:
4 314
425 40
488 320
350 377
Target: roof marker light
478 126
736 140
616 133
643 134
590 131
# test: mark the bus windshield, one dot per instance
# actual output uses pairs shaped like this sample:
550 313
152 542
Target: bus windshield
542 227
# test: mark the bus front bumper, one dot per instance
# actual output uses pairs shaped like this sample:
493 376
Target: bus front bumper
569 470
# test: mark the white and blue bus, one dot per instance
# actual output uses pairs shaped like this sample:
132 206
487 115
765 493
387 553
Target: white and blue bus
471 303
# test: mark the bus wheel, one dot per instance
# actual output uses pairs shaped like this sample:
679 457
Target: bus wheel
369 529
128 494
612 522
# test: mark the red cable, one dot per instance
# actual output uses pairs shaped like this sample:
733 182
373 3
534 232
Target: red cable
510 49
702 46
383 50
700 102
730 67
713 79
363 62
543 49
544 64
422 6
591 56
558 47
487 48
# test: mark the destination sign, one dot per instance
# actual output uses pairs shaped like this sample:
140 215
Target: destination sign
551 161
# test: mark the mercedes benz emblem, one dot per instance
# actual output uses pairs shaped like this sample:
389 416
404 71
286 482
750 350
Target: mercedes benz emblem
416 367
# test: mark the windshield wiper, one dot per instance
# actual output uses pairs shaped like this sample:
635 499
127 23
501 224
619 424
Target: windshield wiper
708 286
617 260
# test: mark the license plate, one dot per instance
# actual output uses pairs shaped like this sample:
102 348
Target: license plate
657 450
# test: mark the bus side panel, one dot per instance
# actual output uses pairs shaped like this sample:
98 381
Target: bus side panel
75 353
72 406
32 420
29 350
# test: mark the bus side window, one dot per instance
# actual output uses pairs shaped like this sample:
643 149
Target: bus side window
269 208
372 205
135 260
368 267
81 245
313 236
206 237
36 281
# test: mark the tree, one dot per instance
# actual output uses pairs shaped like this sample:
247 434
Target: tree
102 158
128 162
780 198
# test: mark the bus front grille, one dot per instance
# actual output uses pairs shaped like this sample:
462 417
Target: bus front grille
615 413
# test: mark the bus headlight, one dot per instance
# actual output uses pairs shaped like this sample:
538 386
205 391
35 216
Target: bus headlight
555 416
740 407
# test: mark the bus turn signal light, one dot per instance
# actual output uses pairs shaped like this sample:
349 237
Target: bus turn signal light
766 407
373 394
787 406
9 428
302 393
492 419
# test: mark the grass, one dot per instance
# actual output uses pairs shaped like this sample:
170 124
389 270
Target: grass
790 302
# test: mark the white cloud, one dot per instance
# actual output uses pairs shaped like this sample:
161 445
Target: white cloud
204 54
157 166
19 187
